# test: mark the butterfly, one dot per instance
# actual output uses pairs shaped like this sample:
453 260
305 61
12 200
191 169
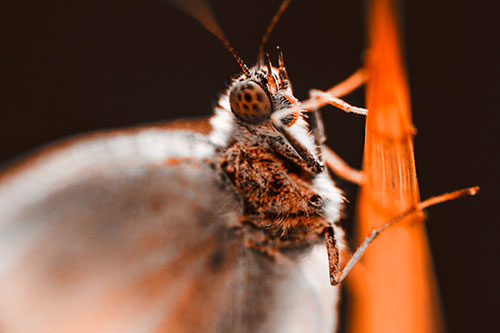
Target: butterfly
213 225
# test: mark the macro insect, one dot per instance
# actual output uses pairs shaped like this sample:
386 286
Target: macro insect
227 224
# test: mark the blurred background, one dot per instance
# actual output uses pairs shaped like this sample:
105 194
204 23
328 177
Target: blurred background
75 67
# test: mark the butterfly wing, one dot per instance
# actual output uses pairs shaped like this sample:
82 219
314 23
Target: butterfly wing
132 231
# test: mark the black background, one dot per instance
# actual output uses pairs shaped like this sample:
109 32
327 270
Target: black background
71 67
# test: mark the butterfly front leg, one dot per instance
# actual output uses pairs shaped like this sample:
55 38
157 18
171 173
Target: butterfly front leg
294 150
332 160
332 96
341 168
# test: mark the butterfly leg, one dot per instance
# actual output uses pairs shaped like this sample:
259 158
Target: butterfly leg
332 96
312 162
333 161
320 98
353 82
323 153
318 130
333 255
341 168
418 208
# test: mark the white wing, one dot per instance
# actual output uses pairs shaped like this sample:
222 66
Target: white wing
130 232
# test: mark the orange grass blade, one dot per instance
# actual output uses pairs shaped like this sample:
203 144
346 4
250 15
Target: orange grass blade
395 291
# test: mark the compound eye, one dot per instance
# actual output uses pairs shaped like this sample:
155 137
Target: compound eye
250 102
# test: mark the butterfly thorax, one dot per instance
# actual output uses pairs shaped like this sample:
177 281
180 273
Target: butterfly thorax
277 197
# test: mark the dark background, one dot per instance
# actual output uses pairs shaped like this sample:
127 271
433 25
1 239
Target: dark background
71 67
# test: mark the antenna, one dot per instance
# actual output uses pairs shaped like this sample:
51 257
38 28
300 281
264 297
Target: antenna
201 11
270 28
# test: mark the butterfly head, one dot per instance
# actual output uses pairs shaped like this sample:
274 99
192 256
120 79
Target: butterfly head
253 97
260 110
